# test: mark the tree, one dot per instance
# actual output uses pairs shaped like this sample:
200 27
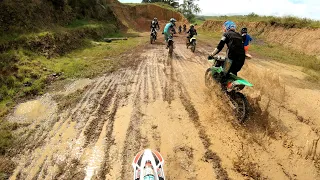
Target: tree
189 8
173 3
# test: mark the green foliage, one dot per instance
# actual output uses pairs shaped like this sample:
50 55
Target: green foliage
189 8
172 3
286 22
199 20
6 137
33 16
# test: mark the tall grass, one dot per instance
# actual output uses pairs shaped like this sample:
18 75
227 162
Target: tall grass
286 21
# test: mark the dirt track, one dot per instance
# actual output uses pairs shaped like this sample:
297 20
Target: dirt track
162 103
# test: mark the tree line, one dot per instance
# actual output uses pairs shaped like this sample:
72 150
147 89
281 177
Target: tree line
189 8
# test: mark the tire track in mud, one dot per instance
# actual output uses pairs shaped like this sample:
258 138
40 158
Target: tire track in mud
209 156
109 140
95 126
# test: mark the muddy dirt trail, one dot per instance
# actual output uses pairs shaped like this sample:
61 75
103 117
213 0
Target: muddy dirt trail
162 103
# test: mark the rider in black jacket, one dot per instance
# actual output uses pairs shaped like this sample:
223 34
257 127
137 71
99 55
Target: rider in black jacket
235 52
154 25
191 32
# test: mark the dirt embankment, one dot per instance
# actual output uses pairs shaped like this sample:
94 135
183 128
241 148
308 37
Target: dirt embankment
138 17
302 39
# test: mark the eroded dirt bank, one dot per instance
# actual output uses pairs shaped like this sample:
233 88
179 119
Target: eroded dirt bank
162 103
305 40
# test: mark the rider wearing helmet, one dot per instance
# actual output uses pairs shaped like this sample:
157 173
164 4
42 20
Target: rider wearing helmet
154 25
168 28
191 32
235 52
246 39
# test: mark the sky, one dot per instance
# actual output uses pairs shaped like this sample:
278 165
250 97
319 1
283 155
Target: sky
299 8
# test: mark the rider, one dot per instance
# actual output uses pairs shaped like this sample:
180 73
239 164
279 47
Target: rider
191 32
246 39
235 52
184 27
168 28
154 25
180 28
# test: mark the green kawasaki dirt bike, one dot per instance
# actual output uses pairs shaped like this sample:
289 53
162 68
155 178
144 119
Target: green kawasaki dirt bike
234 85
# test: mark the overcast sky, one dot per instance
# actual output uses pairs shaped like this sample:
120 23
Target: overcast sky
300 8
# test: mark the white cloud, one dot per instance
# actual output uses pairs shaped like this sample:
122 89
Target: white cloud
305 8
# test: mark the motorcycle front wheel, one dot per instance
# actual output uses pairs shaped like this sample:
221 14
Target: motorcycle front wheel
208 78
240 105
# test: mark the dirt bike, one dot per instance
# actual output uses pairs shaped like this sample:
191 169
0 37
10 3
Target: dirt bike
232 88
192 42
148 164
153 37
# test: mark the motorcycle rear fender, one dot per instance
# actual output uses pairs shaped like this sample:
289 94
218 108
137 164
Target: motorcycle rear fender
140 160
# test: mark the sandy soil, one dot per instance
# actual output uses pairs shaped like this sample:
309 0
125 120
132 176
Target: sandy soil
162 103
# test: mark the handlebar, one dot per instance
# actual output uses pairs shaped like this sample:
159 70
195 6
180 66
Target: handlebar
217 58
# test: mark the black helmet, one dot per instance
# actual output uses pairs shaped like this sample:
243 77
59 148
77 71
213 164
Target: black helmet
244 30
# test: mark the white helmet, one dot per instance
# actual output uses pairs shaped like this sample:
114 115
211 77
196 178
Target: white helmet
148 165
173 21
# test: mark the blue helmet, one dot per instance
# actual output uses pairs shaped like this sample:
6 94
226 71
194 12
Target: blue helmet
229 25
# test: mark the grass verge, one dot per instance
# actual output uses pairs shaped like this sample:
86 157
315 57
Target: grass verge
286 21
26 72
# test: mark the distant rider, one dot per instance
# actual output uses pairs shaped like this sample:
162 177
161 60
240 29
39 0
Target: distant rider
180 29
184 28
191 32
154 25
168 30
246 39
235 52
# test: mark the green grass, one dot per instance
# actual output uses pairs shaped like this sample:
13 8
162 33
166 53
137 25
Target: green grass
89 61
93 60
288 56
287 21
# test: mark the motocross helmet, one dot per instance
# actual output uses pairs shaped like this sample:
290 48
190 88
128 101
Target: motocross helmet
244 30
191 25
155 19
173 21
229 25
148 165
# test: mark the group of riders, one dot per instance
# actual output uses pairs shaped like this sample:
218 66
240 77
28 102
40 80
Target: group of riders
169 29
237 43
148 163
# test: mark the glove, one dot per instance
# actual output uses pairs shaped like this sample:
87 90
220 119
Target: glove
162 32
210 57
